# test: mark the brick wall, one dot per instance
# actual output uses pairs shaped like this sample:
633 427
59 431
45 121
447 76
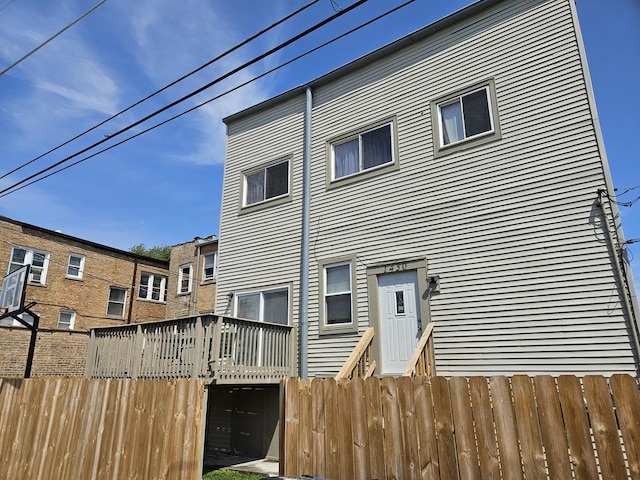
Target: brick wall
181 304
58 352
104 267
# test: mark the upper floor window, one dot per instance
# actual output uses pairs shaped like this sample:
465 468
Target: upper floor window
271 181
38 260
466 116
75 267
66 319
365 150
264 306
153 287
209 267
184 278
116 303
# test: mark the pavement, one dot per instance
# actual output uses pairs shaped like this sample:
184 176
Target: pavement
264 467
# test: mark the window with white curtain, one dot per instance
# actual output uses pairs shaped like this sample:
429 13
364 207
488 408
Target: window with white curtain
266 183
362 151
467 116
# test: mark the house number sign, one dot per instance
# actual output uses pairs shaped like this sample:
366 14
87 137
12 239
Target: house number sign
395 267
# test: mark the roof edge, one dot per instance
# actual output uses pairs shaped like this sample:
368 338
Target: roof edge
366 59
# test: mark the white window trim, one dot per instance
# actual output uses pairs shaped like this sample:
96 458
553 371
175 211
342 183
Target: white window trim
81 267
124 302
215 267
352 326
149 286
181 278
28 260
478 139
261 305
72 319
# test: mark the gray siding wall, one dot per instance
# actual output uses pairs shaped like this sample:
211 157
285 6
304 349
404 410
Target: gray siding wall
511 227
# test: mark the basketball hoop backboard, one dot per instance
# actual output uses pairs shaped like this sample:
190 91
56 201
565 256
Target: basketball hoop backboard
13 290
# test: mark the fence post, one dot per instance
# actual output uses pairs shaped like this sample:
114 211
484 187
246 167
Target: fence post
198 349
90 366
137 353
293 352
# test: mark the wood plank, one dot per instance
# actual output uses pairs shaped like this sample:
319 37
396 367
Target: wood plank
426 426
468 462
375 427
627 401
332 426
392 428
359 427
605 428
576 424
318 427
305 432
552 427
505 427
528 426
291 421
485 430
345 436
444 429
408 422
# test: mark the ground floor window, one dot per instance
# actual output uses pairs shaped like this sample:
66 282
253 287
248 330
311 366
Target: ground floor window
264 306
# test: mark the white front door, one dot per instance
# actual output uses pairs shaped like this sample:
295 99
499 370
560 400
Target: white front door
400 327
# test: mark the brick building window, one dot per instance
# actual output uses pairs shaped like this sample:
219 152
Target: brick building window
75 267
117 298
209 268
38 260
66 319
184 278
153 287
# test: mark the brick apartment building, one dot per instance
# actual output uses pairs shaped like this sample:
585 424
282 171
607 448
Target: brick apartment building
192 279
76 284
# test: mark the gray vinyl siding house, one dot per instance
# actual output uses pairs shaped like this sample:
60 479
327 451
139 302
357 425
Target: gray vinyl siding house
493 230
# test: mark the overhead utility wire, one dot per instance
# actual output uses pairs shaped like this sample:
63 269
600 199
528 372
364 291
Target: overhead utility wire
192 94
51 38
373 20
1 9
213 60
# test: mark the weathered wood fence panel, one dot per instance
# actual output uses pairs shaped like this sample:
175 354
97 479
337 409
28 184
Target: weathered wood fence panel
74 428
477 428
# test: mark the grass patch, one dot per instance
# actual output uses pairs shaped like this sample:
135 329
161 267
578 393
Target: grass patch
231 475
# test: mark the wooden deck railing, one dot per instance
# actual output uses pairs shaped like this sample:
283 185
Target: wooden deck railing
421 362
219 349
360 362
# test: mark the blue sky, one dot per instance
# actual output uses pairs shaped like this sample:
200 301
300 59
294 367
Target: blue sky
164 187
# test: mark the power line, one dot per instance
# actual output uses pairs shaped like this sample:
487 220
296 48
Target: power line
153 127
213 60
192 94
51 38
1 9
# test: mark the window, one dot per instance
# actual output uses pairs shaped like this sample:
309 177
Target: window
153 287
209 267
362 151
15 323
38 260
264 306
269 182
184 278
75 267
66 319
117 297
466 116
337 297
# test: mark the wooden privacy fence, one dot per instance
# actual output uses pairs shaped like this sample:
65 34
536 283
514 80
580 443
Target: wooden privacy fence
73 428
478 428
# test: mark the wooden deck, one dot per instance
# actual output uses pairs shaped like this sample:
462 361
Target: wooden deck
216 348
